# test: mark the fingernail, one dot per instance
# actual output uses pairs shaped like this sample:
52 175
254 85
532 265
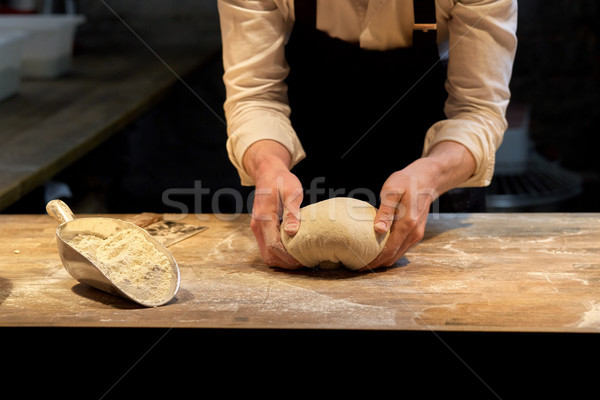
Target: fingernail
291 227
381 226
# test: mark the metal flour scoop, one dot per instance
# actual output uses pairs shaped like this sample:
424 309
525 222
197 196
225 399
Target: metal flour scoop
86 271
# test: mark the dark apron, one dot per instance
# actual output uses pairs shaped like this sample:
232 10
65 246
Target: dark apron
360 114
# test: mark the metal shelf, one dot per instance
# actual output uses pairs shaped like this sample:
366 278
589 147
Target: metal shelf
541 183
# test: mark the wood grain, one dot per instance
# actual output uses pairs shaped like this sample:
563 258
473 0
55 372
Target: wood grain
472 272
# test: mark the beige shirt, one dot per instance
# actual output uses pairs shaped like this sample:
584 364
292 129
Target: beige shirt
479 38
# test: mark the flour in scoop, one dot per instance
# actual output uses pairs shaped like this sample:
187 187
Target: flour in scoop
129 260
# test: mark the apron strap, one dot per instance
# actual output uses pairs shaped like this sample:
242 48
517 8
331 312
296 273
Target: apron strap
425 28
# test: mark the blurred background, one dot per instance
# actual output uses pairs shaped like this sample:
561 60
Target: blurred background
548 161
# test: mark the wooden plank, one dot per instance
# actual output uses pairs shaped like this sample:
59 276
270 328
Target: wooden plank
472 272
50 124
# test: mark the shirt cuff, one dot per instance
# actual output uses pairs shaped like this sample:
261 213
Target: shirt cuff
476 139
261 125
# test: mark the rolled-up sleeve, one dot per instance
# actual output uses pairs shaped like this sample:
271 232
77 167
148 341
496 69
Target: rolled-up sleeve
482 46
256 108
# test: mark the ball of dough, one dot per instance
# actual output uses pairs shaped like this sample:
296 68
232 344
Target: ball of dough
334 232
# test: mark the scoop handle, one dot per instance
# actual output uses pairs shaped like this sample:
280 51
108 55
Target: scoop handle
59 211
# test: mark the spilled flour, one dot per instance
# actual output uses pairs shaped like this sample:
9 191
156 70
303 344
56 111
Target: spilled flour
129 260
591 318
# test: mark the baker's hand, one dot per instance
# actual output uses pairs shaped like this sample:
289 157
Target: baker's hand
278 195
407 195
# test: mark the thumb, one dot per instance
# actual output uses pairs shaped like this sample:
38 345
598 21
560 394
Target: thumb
387 210
291 211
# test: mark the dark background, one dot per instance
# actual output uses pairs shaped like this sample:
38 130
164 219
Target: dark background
181 141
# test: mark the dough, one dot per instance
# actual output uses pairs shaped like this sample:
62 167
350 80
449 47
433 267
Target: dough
336 232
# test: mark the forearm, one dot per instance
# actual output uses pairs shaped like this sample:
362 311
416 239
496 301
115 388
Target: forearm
256 109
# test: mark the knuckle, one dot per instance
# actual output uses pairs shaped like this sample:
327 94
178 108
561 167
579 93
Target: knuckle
290 215
409 225
387 212
273 248
270 260
415 239
392 257
389 201
292 194
255 225
391 193
400 212
258 218
386 254
270 252
419 232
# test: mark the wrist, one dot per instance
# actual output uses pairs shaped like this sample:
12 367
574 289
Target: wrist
265 155
451 163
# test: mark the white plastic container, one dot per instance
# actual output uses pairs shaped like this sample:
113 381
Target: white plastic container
48 48
11 45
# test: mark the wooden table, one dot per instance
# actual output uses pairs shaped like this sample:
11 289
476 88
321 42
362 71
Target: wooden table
446 316
480 272
51 123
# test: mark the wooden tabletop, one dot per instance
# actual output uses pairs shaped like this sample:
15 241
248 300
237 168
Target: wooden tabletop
472 272
50 123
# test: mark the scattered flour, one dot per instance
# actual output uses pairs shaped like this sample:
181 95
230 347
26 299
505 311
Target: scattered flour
591 318
131 261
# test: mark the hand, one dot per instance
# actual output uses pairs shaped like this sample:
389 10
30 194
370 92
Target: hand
406 197
278 194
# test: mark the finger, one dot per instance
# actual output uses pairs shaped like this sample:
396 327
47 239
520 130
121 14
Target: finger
265 226
405 234
280 257
270 246
390 199
390 252
267 210
386 258
291 211
412 239
264 205
384 221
